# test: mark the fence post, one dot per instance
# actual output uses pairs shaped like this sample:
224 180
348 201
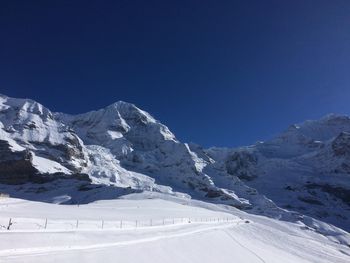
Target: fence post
10 224
45 223
77 224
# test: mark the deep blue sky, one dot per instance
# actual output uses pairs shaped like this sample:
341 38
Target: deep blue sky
222 73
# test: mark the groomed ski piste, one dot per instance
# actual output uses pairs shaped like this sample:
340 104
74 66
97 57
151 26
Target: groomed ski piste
150 227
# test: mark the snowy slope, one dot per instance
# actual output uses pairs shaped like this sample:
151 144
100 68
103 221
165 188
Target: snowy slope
215 234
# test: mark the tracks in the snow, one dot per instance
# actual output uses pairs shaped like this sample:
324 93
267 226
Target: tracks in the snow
243 246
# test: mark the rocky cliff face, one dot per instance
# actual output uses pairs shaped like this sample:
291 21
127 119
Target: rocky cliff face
15 167
305 170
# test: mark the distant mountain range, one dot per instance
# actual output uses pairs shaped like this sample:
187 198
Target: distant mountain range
56 157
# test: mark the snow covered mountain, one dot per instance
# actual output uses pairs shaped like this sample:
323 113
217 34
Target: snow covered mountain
121 149
304 169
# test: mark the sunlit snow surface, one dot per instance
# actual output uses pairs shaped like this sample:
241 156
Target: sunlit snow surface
47 166
232 239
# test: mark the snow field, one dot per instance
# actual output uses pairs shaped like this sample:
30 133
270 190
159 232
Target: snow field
112 214
261 240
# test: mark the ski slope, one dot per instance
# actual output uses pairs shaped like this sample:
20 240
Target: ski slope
207 233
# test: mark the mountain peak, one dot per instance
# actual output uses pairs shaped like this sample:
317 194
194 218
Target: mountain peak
119 104
26 105
128 110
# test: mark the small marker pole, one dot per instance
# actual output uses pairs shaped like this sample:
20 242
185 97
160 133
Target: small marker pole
10 224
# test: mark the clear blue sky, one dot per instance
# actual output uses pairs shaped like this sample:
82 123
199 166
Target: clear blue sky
222 73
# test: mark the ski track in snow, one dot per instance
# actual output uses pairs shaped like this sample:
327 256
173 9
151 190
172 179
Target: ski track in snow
243 246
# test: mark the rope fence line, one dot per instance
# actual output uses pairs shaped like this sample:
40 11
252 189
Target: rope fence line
70 224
